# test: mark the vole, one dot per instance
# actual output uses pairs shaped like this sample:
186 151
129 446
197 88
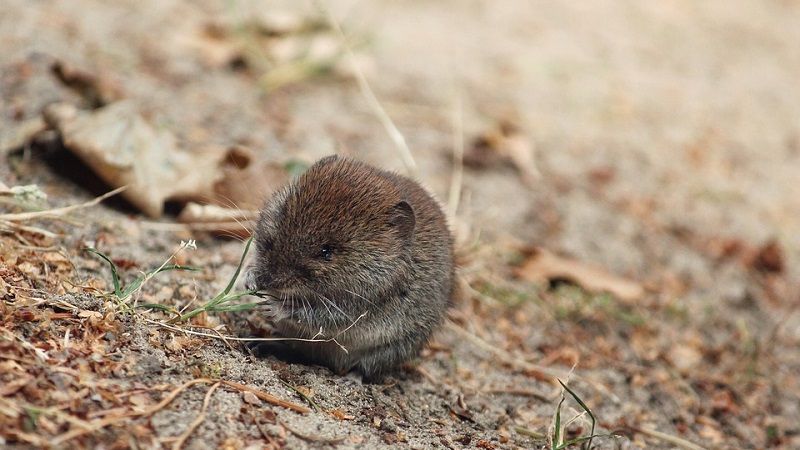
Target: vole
359 254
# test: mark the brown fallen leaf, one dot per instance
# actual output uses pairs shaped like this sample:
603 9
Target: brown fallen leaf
768 258
14 135
123 149
543 266
96 89
247 181
504 144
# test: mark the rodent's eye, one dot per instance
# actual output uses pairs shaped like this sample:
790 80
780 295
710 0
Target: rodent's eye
326 252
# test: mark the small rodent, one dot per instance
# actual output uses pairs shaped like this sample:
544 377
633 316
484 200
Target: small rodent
345 239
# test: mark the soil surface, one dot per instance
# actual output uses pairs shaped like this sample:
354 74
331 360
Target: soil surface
658 141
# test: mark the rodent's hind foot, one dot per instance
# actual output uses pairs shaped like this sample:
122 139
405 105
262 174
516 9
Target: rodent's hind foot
278 349
383 360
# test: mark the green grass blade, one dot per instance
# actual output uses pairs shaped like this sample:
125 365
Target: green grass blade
585 408
114 273
557 430
236 308
172 267
238 269
131 287
157 306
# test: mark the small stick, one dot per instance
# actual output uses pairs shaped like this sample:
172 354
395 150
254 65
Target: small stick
102 423
33 230
196 423
674 440
267 397
198 226
60 211
520 392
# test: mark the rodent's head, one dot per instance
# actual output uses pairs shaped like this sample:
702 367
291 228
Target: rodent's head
340 228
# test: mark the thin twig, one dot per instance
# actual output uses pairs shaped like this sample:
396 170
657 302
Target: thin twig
12 226
102 423
674 440
56 212
269 398
395 135
520 392
199 226
196 423
240 339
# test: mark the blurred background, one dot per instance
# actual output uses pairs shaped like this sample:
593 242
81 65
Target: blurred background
657 141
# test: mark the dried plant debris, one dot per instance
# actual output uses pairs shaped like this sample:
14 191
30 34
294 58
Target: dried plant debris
543 266
505 144
123 149
248 180
280 47
96 90
27 197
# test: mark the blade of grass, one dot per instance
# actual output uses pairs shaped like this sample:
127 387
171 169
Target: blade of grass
557 428
585 408
239 268
114 274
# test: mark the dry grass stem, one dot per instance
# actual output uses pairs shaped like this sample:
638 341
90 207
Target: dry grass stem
395 135
57 212
268 397
457 178
674 440
196 423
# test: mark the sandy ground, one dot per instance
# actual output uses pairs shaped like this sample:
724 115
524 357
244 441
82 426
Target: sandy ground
666 148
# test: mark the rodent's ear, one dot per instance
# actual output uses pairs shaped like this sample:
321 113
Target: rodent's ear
403 219
326 160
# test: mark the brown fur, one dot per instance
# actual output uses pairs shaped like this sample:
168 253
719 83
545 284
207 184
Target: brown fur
345 239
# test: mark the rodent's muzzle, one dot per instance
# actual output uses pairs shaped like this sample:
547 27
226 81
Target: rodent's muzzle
260 280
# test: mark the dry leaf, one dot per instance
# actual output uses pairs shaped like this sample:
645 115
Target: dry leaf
341 415
769 258
247 181
14 135
123 149
542 266
504 144
97 90
251 399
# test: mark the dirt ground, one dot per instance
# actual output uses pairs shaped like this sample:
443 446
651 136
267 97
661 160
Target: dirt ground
663 145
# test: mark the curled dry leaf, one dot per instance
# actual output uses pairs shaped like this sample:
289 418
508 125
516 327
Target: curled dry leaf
543 266
504 144
247 181
96 89
123 149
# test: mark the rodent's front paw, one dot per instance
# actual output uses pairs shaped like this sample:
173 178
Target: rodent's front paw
273 309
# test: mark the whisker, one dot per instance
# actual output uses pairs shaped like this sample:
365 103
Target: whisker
361 296
324 303
334 305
